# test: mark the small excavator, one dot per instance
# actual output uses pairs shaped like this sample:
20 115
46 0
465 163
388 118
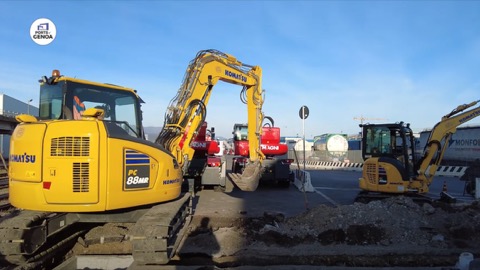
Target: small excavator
390 165
85 160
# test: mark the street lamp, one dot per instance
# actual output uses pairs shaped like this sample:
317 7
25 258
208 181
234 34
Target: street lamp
28 105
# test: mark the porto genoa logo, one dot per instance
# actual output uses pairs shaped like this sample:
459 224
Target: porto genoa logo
43 31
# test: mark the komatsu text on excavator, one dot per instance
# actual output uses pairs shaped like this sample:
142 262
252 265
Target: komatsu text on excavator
85 159
390 165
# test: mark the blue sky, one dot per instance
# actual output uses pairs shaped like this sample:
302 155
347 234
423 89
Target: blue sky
411 61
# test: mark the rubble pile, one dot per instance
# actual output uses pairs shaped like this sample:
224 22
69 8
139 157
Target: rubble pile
391 232
394 221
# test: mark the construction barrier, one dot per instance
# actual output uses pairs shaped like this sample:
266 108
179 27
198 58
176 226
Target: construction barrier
303 181
453 171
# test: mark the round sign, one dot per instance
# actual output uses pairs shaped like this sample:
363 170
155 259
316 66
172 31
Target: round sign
43 31
304 112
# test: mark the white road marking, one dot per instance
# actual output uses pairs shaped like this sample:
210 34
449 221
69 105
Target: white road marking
326 197
334 188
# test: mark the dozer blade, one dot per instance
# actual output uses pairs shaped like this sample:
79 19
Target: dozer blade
249 179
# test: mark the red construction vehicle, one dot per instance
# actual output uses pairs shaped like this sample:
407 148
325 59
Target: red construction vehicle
205 164
275 168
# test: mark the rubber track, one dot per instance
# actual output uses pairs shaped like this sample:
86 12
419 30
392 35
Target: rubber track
13 229
157 234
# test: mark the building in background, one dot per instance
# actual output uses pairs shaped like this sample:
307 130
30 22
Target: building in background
462 149
10 107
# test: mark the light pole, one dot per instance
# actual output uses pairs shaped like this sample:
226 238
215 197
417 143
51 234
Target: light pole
28 105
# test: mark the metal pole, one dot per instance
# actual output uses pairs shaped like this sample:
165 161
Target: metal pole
303 132
28 106
304 161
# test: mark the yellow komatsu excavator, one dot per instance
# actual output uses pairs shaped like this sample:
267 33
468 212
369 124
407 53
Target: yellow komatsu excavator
390 165
85 159
187 111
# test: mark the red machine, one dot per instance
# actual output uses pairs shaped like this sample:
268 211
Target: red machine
206 169
276 169
205 144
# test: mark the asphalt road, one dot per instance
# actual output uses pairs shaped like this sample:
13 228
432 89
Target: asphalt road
341 187
332 187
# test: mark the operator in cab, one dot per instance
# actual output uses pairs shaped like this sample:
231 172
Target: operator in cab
78 108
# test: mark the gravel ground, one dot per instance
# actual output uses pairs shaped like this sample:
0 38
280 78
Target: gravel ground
392 232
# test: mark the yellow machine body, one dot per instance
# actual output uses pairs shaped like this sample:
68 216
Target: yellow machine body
87 165
388 150
384 177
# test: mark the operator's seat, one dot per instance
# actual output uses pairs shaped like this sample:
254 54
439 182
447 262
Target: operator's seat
67 113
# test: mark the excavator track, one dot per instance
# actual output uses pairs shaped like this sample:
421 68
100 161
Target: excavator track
157 234
366 197
18 238
24 236
29 239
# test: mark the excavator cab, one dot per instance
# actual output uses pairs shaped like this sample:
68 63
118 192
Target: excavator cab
88 151
388 151
67 99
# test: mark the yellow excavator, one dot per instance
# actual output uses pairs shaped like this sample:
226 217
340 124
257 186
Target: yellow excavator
390 165
85 159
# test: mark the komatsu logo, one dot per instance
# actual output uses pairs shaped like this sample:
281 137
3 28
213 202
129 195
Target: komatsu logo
470 116
169 182
25 158
236 75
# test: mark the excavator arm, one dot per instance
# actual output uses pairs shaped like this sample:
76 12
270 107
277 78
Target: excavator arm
188 109
439 137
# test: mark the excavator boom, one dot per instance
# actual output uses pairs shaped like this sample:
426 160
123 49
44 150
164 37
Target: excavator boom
439 137
188 109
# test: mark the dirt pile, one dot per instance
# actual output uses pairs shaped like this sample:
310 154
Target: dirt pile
395 231
392 232
393 221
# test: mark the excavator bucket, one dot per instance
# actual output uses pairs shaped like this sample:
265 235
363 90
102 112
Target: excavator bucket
249 179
